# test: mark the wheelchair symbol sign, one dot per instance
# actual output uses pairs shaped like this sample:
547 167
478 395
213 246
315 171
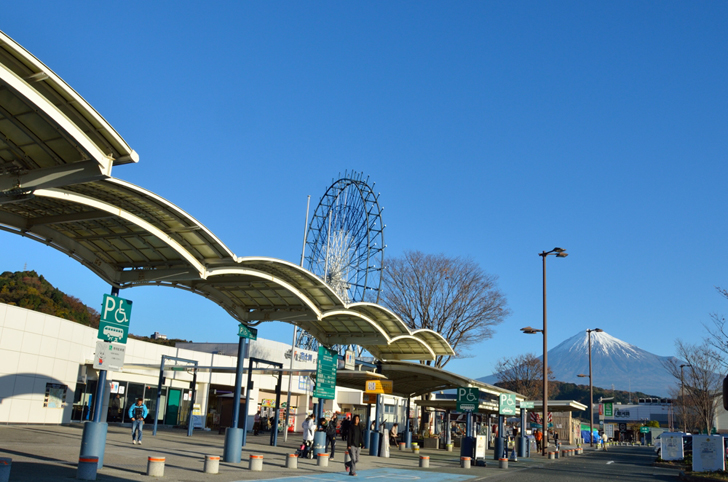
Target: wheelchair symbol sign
468 399
507 404
114 322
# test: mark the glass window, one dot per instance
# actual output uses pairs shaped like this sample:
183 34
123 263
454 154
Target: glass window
134 391
150 400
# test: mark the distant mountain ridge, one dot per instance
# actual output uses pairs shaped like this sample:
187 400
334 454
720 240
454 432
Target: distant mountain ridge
614 362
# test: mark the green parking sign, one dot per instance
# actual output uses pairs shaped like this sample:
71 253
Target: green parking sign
468 399
507 404
248 332
115 317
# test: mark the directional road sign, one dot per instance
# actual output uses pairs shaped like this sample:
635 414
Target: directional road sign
468 399
507 404
245 331
326 373
525 404
644 429
115 316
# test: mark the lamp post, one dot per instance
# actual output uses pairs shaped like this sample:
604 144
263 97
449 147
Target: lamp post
682 395
591 390
559 253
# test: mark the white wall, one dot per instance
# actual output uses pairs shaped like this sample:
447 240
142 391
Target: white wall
36 349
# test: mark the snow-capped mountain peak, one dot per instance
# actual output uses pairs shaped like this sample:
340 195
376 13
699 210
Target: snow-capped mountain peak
603 344
614 362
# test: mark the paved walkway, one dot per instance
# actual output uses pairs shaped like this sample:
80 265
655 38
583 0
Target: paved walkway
50 453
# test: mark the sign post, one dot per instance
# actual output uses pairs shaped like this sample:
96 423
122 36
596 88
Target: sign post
507 404
468 399
379 386
110 351
245 331
326 373
608 409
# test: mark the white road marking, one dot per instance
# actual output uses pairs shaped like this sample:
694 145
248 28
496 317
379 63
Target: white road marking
610 462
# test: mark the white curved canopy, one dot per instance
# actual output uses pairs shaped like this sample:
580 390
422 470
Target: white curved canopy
56 156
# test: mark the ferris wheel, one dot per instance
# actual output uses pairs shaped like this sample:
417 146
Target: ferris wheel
345 242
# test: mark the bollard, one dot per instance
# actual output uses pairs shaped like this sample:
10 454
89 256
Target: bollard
87 466
424 461
552 455
212 464
415 446
503 463
402 446
5 465
292 461
465 462
256 463
557 454
449 447
155 466
323 460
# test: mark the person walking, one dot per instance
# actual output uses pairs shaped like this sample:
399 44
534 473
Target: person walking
331 436
256 423
309 427
137 413
393 434
354 443
114 407
539 438
345 427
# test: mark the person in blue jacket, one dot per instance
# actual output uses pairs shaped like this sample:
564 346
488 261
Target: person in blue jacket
137 414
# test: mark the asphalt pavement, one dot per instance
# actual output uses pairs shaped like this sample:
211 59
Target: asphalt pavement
628 463
43 453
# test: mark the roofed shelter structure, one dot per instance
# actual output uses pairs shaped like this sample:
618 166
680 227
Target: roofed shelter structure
56 158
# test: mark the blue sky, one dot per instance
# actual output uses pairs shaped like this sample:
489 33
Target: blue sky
493 130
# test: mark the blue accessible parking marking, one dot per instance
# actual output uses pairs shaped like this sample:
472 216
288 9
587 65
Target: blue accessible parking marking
385 474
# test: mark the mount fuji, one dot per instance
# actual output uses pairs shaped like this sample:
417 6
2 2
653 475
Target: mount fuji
614 362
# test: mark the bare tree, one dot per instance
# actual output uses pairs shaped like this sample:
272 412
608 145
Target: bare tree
522 374
685 415
452 296
718 331
701 380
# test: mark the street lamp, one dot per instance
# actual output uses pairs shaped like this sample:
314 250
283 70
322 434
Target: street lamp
559 253
682 395
591 390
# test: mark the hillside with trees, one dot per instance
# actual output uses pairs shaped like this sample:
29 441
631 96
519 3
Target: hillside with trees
29 290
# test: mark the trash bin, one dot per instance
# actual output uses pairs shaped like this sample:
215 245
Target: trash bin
467 447
319 443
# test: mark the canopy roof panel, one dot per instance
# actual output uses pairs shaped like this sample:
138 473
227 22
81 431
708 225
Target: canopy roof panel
414 379
51 135
56 156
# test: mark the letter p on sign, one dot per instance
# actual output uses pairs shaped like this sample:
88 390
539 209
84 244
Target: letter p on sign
109 306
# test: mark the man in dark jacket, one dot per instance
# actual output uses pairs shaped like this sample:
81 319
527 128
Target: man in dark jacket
354 442
331 436
345 428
